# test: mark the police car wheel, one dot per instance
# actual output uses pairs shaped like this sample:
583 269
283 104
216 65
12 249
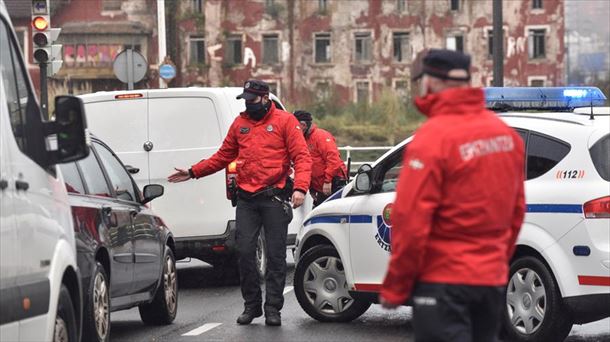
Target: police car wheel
321 288
534 306
163 308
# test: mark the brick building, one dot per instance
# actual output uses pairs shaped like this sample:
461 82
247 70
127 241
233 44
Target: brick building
356 48
93 33
306 49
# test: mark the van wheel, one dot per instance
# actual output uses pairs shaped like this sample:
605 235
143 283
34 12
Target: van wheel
162 310
97 307
65 319
321 288
534 306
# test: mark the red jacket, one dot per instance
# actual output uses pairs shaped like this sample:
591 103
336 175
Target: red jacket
459 199
325 158
263 150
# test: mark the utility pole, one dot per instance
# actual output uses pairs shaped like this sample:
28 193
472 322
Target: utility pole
498 44
161 37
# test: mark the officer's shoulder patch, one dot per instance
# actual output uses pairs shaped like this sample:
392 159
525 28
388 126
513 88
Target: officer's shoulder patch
244 130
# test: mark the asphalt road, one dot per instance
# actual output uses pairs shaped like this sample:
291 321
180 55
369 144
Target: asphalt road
208 308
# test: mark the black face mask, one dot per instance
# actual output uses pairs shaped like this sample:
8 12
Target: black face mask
257 111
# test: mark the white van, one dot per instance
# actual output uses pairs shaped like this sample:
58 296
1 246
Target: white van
154 131
40 296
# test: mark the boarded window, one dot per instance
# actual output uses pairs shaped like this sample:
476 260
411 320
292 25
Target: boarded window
455 42
270 49
362 92
362 47
401 46
322 48
233 54
536 43
197 50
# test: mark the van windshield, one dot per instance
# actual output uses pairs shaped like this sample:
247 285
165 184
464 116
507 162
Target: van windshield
600 154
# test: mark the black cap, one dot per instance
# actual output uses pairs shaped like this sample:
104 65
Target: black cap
252 89
302 115
444 64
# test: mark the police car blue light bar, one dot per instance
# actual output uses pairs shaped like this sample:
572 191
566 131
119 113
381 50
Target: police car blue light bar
547 98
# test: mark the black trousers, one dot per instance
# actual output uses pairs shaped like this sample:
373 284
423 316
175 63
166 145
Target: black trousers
457 313
251 215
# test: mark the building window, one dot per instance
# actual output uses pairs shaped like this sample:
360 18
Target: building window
537 82
323 90
362 92
111 5
537 4
490 43
455 5
401 5
197 50
233 53
322 48
401 46
536 43
362 47
455 42
322 6
270 49
197 6
401 88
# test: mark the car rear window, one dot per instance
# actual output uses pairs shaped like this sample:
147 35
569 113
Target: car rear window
543 153
600 154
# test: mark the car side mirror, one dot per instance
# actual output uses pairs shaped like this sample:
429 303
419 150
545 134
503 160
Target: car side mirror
69 129
151 192
362 184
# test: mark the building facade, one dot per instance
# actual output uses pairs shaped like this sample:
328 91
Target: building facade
355 49
93 33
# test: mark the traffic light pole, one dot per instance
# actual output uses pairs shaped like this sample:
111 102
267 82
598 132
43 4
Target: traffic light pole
44 97
498 45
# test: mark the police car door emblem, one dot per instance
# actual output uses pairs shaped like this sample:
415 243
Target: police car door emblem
270 128
244 130
384 228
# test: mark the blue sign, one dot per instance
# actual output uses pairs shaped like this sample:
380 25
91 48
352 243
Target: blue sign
167 71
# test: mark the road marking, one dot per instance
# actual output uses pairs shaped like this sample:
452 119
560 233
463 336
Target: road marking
202 329
288 289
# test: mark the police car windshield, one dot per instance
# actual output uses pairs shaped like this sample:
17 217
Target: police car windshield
600 154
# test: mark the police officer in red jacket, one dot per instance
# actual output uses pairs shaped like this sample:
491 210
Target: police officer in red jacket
328 172
458 210
263 140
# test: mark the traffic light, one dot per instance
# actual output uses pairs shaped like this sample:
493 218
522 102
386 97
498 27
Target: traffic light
43 37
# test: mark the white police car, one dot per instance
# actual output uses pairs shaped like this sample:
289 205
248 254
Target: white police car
560 273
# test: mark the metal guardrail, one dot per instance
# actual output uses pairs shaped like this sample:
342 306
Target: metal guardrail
348 150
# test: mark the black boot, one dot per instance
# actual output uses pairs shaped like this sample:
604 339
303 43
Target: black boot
273 318
248 315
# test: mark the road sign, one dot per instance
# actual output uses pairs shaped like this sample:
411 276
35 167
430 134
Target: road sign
40 7
167 72
130 67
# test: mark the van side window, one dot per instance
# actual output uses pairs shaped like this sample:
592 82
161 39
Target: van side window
94 177
543 153
15 85
120 179
74 184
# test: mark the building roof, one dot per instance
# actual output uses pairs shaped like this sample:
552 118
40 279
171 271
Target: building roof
18 8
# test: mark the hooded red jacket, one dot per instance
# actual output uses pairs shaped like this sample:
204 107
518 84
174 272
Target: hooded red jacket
326 161
459 200
263 151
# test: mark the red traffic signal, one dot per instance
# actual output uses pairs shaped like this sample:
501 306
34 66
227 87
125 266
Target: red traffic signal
40 23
